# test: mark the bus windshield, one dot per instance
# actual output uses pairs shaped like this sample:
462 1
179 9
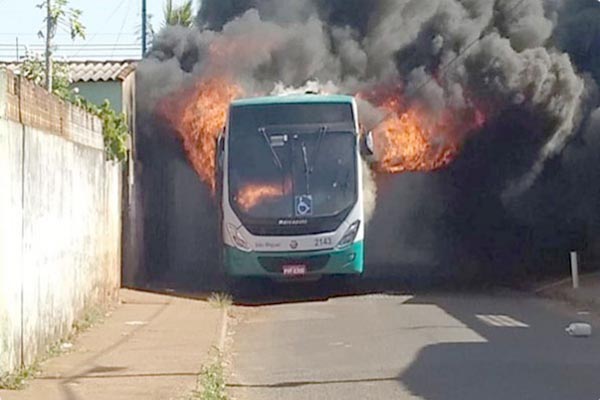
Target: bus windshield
292 161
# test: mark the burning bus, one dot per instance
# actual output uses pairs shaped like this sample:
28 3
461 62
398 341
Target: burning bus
289 186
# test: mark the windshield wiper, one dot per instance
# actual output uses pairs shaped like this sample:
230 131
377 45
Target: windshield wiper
310 167
273 152
307 170
322 131
275 157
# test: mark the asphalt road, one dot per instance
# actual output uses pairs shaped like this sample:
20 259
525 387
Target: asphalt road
434 347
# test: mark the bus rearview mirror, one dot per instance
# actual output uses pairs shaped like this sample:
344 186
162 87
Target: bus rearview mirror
367 144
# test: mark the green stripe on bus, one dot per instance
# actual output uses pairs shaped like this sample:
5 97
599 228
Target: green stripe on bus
345 261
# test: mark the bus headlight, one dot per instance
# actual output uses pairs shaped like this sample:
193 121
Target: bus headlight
349 236
238 238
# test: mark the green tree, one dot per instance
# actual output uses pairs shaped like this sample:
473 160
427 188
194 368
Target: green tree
59 15
57 79
182 15
114 125
33 69
114 130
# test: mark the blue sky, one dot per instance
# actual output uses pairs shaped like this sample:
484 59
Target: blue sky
112 28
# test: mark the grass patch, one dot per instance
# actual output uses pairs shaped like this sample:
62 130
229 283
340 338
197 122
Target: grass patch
211 382
91 317
18 380
220 300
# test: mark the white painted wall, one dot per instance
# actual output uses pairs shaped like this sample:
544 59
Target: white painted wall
11 260
59 234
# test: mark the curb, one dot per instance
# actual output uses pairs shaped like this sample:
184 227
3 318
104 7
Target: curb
223 331
547 286
557 291
562 281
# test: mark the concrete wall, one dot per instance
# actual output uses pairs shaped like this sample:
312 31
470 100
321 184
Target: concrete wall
59 220
176 228
121 94
132 228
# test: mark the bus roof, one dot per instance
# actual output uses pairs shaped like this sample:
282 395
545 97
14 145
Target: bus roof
293 99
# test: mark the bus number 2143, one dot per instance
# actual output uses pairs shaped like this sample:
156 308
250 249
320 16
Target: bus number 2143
322 242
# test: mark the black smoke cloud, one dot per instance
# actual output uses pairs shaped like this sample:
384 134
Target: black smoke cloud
533 65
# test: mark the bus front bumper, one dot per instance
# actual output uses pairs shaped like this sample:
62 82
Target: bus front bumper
272 264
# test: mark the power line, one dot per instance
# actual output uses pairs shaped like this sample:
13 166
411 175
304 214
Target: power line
7 52
65 34
71 45
112 14
124 19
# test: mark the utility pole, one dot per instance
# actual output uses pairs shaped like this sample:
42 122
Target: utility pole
48 45
144 21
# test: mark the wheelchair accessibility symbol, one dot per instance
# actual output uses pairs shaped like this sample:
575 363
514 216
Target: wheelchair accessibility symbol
303 205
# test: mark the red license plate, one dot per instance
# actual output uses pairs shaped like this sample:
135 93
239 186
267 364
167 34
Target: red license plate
294 270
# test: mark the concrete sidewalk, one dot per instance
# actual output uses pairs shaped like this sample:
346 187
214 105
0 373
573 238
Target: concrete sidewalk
587 296
151 347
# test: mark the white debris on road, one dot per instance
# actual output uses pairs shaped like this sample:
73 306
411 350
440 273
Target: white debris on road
579 329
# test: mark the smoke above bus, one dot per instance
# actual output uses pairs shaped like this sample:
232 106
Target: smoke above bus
484 114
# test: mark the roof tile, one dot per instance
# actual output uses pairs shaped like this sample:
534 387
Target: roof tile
90 71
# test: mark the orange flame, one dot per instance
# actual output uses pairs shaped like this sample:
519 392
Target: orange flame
251 195
198 116
410 140
404 144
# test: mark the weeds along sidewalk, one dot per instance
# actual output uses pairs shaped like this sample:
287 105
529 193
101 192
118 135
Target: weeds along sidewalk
151 347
